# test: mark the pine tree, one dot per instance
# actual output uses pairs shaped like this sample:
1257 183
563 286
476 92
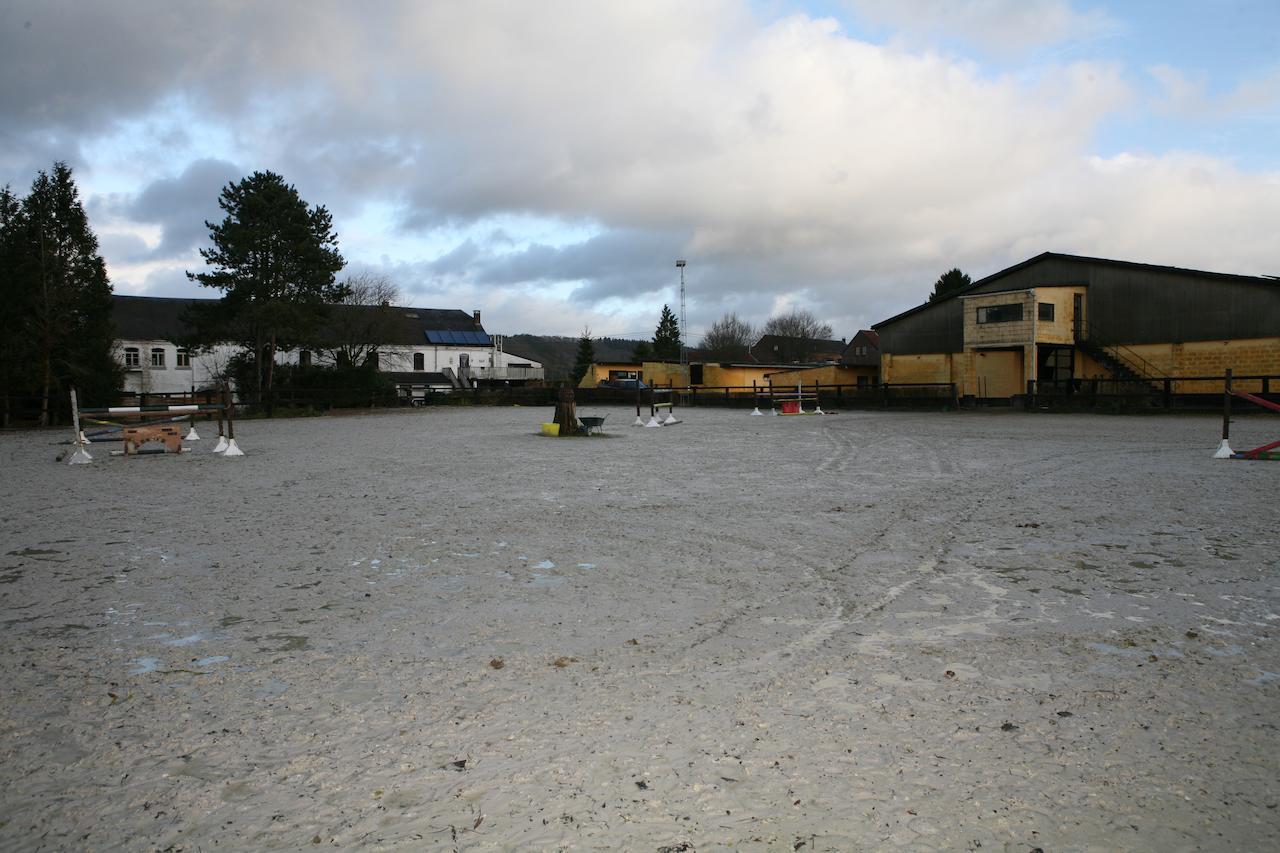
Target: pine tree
586 357
949 282
666 340
274 257
54 283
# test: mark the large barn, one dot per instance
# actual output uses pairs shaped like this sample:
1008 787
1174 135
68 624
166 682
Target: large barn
1057 319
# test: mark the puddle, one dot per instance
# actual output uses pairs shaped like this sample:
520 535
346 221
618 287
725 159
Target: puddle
212 659
1264 678
189 640
288 643
586 565
545 581
144 665
272 688
545 564
1225 651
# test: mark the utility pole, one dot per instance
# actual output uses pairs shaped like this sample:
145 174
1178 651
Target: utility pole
684 354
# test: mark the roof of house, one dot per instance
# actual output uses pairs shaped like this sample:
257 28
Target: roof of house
773 343
1043 256
867 338
143 318
161 318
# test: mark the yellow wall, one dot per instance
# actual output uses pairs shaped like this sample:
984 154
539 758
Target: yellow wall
828 374
934 367
998 334
1061 329
733 376
1252 356
659 374
998 373
600 372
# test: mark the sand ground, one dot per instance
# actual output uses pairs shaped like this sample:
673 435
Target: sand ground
436 630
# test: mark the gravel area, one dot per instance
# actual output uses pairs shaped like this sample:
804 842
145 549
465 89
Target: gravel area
434 629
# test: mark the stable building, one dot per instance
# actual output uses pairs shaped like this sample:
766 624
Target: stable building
1058 319
423 350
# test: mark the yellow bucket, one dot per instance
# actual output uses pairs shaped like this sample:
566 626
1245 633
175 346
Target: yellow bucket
551 429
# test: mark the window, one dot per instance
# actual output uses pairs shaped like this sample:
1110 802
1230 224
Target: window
1046 311
695 374
304 358
157 357
183 357
132 358
864 381
419 361
860 350
1010 313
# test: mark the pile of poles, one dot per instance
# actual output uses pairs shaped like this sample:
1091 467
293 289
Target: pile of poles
123 420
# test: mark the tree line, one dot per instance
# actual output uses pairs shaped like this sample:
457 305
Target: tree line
275 259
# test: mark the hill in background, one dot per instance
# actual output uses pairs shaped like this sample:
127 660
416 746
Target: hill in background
558 353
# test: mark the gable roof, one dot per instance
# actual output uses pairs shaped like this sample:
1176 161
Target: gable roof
1080 259
142 318
161 318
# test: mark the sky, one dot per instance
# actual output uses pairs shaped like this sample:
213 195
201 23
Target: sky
548 162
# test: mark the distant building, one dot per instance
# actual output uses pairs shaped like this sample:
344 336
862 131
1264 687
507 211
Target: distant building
780 349
421 349
862 356
1060 319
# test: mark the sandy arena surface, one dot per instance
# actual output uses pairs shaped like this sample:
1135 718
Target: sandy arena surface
436 630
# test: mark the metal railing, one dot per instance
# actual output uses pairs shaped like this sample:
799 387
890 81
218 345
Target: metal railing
1091 333
507 373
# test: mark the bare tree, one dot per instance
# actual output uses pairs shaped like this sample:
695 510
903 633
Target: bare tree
728 339
362 324
799 329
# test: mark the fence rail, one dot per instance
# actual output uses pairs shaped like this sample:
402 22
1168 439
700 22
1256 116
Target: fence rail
1185 393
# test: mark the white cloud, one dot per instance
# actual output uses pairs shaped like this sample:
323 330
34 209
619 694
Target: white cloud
1186 95
1009 27
790 163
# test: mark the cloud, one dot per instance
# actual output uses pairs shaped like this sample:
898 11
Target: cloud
790 163
1007 27
181 205
1186 95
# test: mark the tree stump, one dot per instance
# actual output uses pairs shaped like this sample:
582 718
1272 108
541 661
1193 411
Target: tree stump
567 412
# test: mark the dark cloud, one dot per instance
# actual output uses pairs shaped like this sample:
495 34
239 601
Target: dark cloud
181 205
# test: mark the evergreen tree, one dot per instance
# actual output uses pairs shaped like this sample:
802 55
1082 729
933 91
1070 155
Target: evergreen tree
949 282
586 357
642 351
58 331
666 340
274 258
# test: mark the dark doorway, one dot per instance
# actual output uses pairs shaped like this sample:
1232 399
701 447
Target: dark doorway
1055 366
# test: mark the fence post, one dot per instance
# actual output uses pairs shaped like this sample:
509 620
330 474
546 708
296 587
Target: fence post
884 394
1031 394
1168 393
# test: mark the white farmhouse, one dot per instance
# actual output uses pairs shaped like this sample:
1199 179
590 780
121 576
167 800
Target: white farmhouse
424 350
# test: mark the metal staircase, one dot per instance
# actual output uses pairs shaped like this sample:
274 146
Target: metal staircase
1125 365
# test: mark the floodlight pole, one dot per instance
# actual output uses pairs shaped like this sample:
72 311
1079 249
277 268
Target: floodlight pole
684 355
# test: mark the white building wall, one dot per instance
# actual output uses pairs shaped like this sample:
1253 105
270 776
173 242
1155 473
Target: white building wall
203 370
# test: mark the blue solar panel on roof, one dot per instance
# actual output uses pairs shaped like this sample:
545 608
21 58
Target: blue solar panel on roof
450 338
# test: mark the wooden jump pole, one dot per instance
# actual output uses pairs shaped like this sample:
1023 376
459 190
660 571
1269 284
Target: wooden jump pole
80 456
1224 449
228 400
192 435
